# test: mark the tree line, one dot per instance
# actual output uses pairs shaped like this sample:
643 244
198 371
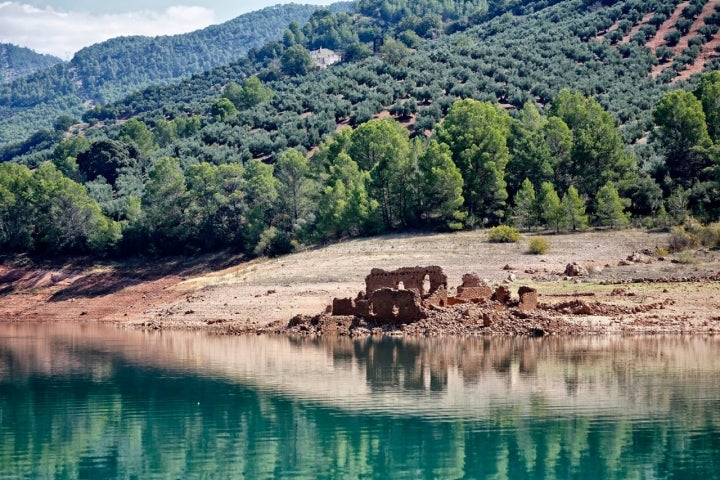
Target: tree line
563 171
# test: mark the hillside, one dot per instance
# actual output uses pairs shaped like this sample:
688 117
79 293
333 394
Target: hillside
18 62
452 116
108 71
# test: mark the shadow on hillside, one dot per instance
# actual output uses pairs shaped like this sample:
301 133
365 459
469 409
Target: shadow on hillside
129 274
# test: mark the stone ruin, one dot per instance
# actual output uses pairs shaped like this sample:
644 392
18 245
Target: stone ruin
398 296
405 295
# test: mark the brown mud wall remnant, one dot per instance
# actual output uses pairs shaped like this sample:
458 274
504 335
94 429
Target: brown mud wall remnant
408 294
473 288
411 278
396 306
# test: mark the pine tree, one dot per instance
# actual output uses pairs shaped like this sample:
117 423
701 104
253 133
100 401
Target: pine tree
573 210
611 208
550 206
525 209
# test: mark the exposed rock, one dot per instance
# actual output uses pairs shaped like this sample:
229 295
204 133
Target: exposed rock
502 295
640 257
575 270
343 306
481 292
472 280
475 309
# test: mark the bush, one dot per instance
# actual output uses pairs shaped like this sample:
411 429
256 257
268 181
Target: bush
539 246
710 235
503 234
686 258
681 239
273 242
693 234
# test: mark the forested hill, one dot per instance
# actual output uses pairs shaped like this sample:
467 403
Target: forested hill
442 115
108 71
17 62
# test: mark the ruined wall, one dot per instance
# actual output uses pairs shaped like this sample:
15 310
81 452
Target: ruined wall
412 278
385 303
388 305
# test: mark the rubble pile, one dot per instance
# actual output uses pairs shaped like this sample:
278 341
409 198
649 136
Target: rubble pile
415 301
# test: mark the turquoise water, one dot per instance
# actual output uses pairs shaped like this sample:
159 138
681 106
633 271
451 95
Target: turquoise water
97 403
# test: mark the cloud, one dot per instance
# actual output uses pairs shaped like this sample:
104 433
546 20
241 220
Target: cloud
59 33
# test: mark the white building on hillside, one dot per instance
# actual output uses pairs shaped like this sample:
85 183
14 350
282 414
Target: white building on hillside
325 57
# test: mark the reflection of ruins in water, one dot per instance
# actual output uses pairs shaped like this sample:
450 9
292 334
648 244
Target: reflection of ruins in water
467 376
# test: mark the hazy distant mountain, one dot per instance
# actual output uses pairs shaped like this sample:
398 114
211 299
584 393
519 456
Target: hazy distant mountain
17 62
110 70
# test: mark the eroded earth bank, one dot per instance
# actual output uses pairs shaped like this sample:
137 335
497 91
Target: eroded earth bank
590 283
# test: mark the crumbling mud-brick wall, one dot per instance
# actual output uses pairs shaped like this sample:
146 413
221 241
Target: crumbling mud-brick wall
528 299
401 296
472 289
388 305
410 278
439 298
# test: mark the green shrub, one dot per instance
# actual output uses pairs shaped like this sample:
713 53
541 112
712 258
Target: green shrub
710 235
693 234
273 242
539 246
686 258
503 234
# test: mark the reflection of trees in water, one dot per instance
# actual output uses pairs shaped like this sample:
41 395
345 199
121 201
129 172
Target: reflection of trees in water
133 422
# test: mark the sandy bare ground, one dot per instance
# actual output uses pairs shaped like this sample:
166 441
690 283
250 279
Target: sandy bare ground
229 294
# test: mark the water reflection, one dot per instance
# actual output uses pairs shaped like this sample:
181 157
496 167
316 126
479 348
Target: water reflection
89 402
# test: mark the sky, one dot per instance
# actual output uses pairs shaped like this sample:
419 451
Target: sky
62 27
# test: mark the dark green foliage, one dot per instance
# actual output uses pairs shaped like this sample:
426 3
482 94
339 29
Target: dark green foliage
218 167
610 209
44 211
106 158
439 185
17 62
325 30
672 37
598 154
477 134
682 127
109 70
223 109
356 51
296 60
524 213
250 94
573 211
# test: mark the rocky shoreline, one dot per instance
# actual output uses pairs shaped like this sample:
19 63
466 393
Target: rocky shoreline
484 312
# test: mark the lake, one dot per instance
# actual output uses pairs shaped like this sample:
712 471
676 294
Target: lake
104 403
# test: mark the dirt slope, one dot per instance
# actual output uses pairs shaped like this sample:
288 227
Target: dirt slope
227 294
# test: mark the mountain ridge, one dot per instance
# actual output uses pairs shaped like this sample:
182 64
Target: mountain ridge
18 62
110 70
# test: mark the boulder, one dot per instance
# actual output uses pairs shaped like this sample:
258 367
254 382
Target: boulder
575 270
